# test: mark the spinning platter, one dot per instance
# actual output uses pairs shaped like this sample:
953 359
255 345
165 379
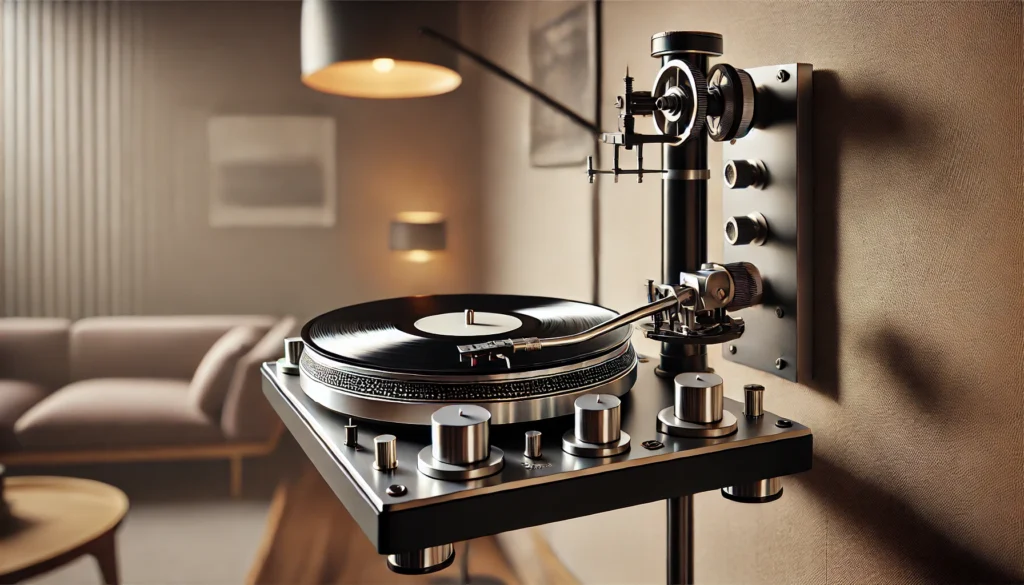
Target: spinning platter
396 360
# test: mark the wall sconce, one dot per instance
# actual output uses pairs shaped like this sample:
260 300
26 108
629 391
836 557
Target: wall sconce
418 234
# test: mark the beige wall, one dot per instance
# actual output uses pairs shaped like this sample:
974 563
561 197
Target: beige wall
918 420
189 61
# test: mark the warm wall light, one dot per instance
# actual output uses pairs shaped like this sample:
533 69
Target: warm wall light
374 50
417 233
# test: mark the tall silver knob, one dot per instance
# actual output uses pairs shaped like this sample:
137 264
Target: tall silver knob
740 174
598 418
293 347
385 452
753 400
699 397
533 449
460 434
742 230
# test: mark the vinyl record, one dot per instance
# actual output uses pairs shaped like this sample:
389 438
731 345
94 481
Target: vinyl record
421 334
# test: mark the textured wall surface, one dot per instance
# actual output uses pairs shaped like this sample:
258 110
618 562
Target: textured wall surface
106 173
917 407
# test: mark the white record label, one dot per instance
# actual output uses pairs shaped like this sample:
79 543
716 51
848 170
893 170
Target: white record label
454 324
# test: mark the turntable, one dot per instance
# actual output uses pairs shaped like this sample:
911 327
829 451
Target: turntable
437 419
396 360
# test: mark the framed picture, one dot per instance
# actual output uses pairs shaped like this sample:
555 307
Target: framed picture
272 171
563 64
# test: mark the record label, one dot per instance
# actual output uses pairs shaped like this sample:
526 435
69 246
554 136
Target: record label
454 324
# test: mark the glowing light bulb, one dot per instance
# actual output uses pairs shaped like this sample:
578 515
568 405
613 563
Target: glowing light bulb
383 65
418 256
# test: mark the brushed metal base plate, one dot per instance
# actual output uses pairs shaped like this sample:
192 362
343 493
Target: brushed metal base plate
430 467
670 425
574 446
777 338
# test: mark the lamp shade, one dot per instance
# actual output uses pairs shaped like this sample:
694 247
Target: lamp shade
418 230
373 49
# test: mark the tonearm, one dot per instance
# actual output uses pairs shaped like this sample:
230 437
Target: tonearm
694 312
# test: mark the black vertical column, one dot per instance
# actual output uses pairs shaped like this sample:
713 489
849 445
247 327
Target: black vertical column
684 247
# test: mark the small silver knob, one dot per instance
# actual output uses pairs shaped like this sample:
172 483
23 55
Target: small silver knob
293 347
460 434
533 445
598 418
742 230
351 434
753 400
740 174
699 397
385 452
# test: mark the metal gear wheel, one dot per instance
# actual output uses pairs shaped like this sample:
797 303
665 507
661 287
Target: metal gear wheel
737 93
681 97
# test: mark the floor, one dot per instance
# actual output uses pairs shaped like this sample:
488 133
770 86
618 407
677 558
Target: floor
183 527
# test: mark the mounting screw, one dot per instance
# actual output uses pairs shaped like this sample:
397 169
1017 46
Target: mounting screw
783 423
720 294
652 445
780 312
782 76
780 364
732 349
396 491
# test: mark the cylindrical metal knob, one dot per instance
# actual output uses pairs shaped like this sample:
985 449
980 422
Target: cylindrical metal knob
598 418
460 434
740 174
533 445
753 400
293 347
747 285
351 434
385 452
699 397
746 229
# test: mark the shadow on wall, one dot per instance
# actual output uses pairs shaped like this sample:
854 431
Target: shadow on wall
843 120
906 534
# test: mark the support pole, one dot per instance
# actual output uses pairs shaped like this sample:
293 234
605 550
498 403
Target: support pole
680 541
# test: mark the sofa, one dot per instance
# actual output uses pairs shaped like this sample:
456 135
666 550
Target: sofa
137 389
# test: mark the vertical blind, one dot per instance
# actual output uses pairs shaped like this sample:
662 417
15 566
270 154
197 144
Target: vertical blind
74 205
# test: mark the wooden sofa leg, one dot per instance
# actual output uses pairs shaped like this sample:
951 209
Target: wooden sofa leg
236 476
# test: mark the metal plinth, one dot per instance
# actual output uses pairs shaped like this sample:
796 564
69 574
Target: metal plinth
528 492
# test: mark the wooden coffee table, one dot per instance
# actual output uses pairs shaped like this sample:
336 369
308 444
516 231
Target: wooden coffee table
55 521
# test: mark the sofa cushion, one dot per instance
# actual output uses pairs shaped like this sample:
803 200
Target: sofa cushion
16 397
210 383
116 413
149 347
35 350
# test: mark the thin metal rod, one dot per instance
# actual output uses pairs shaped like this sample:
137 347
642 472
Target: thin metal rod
507 76
680 541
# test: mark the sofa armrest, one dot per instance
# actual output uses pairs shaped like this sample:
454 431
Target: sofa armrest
247 416
35 350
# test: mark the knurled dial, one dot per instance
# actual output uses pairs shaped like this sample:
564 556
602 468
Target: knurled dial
681 101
